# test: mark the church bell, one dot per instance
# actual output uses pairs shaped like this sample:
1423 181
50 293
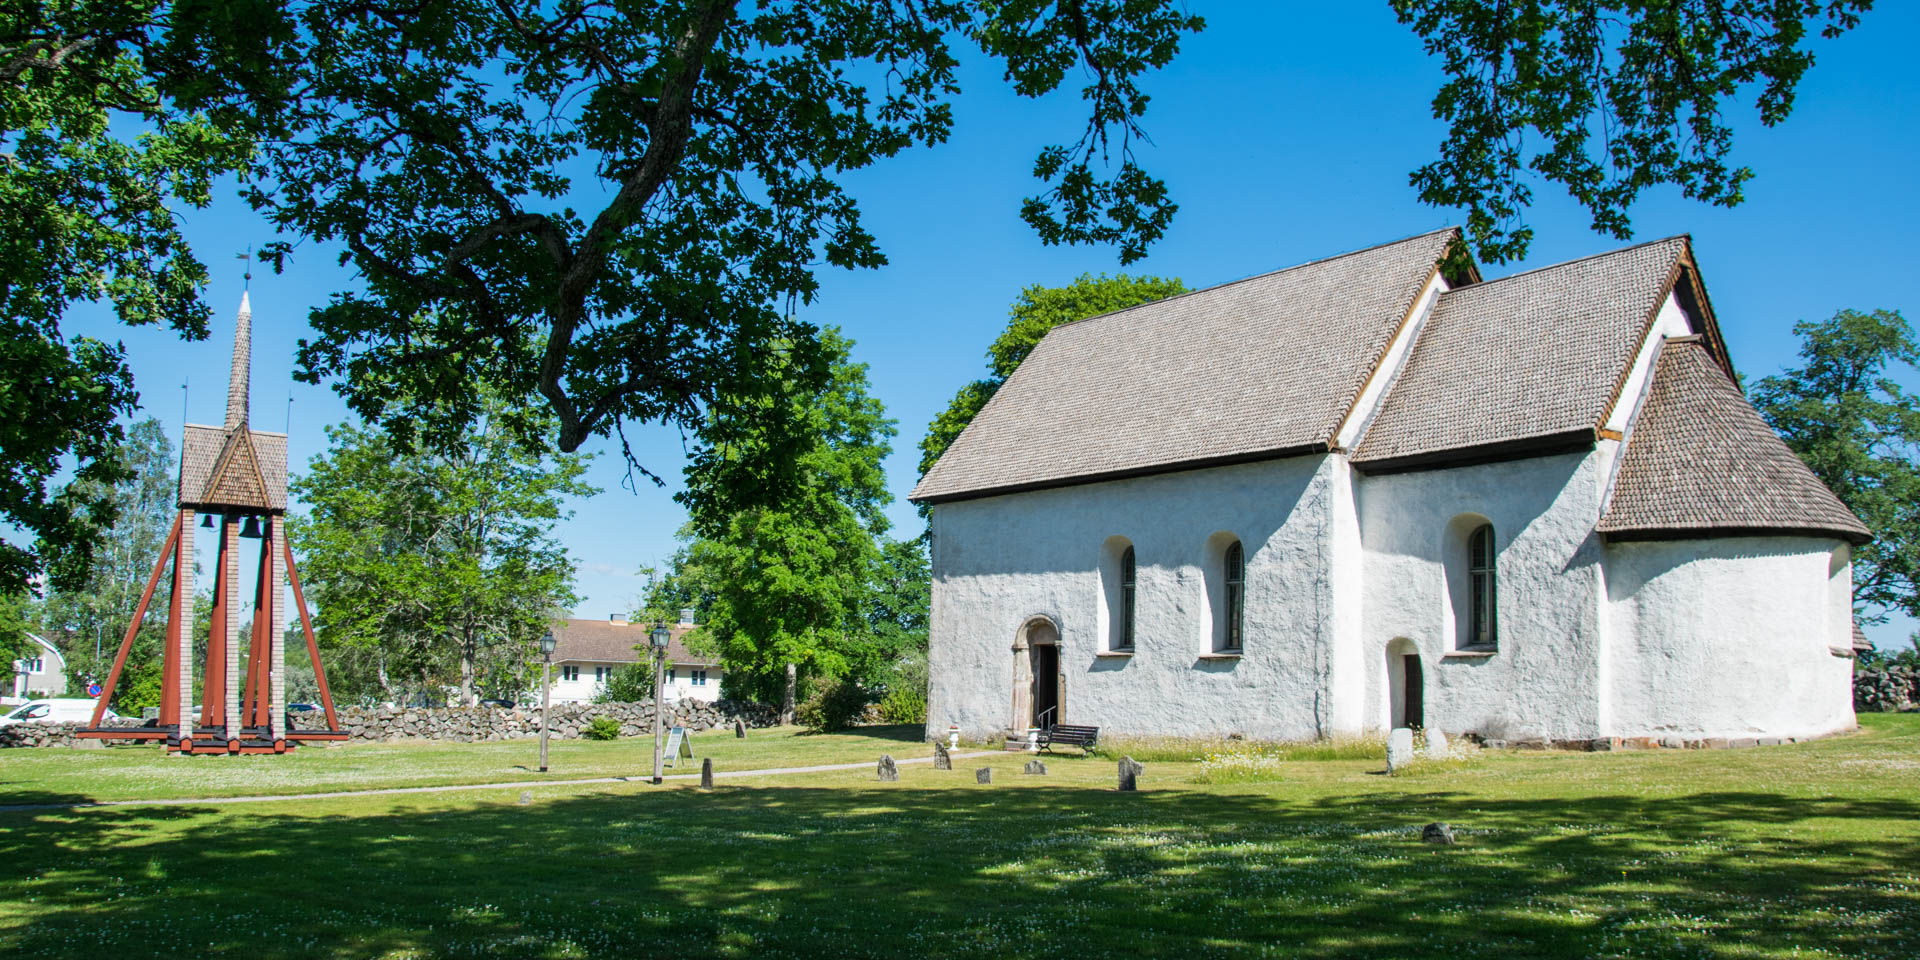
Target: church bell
251 529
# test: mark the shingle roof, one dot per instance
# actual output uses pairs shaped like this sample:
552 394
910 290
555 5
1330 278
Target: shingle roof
611 641
1699 461
1258 367
200 451
1533 355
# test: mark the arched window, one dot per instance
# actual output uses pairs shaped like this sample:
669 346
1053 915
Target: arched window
1483 629
1234 568
1125 641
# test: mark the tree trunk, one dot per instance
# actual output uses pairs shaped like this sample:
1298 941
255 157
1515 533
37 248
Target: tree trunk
786 696
468 654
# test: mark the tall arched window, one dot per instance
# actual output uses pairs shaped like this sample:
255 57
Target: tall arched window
1126 601
1483 629
1234 567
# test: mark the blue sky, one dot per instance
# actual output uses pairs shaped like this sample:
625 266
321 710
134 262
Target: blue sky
1286 132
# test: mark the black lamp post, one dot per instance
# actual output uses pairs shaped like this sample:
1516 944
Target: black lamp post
658 638
547 643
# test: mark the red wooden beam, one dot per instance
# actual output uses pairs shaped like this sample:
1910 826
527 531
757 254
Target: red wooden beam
306 623
213 711
133 629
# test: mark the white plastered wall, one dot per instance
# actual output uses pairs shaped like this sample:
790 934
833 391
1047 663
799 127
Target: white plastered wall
999 562
1728 638
1542 683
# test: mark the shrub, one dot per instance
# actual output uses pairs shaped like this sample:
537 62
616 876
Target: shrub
632 683
833 705
903 705
601 728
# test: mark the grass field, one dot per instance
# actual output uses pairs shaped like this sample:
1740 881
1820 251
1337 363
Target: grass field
147 772
1809 850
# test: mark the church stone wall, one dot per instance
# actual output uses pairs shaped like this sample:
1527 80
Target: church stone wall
1543 682
999 562
1729 638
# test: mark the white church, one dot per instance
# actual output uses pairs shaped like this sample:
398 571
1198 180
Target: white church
1377 491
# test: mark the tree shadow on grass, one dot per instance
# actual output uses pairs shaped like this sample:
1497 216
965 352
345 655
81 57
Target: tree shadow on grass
902 732
897 870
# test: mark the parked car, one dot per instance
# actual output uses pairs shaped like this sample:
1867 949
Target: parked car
55 711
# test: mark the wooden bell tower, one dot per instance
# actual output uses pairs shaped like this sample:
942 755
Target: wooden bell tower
233 481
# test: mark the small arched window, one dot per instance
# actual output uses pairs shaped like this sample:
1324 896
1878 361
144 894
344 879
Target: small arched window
1235 570
1483 629
1126 600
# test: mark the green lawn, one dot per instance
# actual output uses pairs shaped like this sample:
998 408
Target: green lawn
147 772
1810 850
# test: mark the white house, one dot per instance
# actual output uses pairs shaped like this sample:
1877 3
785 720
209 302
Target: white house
1376 491
586 652
41 673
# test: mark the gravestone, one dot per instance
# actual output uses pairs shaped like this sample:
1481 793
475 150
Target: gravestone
526 797
1130 771
1399 748
740 729
983 775
889 771
1037 766
1437 833
1436 745
706 773
942 759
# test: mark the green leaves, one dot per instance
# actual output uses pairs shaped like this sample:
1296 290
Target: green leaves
89 213
1604 97
430 569
1846 416
618 206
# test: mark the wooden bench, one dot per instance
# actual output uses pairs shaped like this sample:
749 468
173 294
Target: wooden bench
1086 738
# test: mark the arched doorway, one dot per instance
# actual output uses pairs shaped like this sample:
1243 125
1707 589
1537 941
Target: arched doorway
1037 693
1406 686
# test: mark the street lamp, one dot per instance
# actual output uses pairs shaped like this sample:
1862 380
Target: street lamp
659 637
547 643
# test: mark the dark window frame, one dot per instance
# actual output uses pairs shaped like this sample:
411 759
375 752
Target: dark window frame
1483 590
1233 564
1129 596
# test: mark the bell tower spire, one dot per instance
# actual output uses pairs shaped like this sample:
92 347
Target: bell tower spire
237 379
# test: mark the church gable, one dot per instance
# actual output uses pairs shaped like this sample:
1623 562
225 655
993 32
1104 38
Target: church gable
1521 361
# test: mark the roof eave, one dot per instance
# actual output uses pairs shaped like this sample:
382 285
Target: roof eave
1309 449
1542 445
1723 531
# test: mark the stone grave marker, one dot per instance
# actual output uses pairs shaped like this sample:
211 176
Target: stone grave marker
1437 833
1399 748
1130 771
526 797
706 773
1436 745
1037 766
888 770
983 775
942 759
740 728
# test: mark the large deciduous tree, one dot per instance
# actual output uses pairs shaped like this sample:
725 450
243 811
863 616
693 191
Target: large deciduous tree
142 504
1847 417
616 205
1606 98
1037 310
435 568
789 581
112 116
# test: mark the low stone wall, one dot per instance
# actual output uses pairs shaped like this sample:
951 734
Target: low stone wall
468 724
464 724
1886 689
52 735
